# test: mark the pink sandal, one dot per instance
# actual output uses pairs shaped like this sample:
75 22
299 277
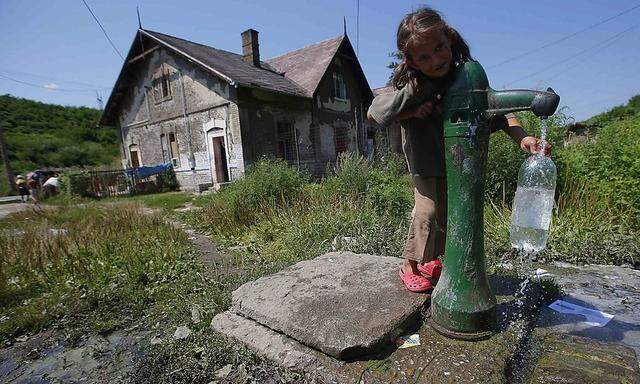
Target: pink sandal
431 270
415 283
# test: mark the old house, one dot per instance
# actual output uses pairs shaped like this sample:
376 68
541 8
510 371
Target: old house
212 113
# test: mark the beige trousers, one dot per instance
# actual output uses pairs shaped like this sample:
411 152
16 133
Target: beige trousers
426 238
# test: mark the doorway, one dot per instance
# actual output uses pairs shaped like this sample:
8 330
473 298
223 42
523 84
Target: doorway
219 159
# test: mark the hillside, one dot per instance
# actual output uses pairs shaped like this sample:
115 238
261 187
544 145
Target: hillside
46 135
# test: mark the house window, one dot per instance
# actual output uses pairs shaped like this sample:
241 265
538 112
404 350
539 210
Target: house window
341 139
134 155
286 147
339 86
173 147
162 87
165 148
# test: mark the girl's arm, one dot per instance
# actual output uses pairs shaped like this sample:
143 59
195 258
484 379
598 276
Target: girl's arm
520 137
419 112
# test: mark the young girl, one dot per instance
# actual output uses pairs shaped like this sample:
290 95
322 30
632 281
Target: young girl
431 50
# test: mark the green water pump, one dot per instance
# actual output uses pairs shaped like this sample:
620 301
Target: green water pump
462 304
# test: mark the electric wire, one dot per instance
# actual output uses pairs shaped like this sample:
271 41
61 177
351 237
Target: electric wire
52 79
103 31
45 87
604 42
521 55
583 61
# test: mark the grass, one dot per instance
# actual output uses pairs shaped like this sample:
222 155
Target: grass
94 265
586 227
166 201
112 265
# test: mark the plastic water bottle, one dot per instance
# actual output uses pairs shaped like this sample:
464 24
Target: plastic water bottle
533 203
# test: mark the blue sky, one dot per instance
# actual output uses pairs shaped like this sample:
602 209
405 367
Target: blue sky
58 45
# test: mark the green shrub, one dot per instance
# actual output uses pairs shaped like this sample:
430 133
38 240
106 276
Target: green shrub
351 176
268 185
77 184
609 164
505 156
167 181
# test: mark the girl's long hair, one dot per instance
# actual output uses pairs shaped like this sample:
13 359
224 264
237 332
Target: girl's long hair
411 30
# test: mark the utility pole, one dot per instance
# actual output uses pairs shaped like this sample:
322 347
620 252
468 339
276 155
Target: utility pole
8 172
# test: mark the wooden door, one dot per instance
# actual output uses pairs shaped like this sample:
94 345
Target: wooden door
220 159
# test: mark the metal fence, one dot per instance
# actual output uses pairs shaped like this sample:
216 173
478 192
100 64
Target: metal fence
107 183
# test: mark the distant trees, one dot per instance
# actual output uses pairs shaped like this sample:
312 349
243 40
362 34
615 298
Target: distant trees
46 135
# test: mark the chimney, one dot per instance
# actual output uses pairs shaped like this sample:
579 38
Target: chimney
250 47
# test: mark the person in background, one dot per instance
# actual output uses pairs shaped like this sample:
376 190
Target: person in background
51 186
34 185
23 189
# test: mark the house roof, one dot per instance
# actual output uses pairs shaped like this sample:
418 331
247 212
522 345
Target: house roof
381 90
307 65
297 73
230 66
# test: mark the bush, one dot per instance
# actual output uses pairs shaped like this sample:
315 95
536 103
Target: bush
268 185
505 156
351 176
77 184
167 181
610 164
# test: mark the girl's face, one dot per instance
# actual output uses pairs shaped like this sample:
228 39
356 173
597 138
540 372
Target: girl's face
431 55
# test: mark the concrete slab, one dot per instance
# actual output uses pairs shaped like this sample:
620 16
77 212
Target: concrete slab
607 288
436 360
344 304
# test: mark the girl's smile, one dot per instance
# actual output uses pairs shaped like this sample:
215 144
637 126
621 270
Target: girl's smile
431 55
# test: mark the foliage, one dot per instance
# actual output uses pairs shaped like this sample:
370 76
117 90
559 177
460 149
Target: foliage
42 135
586 227
609 164
618 113
505 156
167 181
396 58
268 184
98 264
359 206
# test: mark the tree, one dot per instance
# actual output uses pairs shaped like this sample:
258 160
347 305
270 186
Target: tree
8 172
396 58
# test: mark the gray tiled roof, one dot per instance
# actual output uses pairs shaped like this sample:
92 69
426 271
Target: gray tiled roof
233 66
307 65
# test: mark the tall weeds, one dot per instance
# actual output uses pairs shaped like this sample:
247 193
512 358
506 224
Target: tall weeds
65 262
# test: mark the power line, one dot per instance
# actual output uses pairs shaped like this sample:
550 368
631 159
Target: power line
521 55
103 31
44 86
92 86
604 42
581 62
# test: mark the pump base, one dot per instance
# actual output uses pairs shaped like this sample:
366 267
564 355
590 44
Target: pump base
476 336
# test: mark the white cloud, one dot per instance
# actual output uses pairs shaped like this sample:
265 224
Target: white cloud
51 86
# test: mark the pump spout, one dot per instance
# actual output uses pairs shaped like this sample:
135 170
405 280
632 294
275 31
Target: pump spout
541 103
